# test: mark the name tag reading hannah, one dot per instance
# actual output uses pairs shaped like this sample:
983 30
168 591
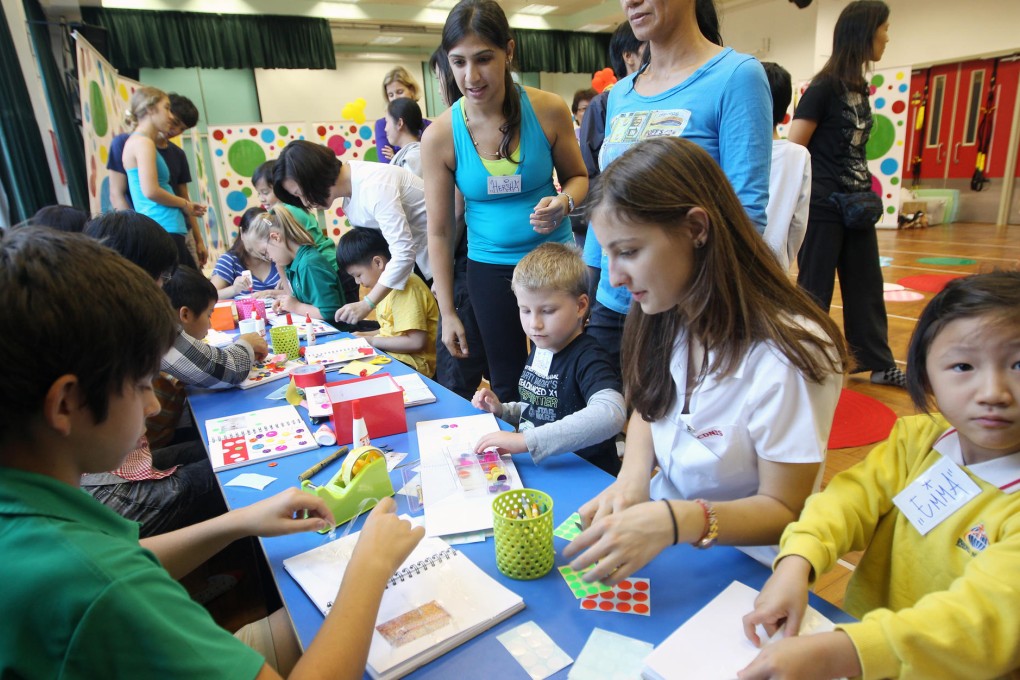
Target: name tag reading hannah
940 491
504 184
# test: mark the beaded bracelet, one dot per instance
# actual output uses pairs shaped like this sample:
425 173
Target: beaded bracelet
711 532
368 301
676 529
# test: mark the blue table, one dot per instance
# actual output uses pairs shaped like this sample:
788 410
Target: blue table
683 579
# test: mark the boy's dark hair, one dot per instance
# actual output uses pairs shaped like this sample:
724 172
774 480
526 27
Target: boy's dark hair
43 273
138 238
407 110
782 90
622 42
994 294
264 173
60 217
313 167
188 288
184 109
359 246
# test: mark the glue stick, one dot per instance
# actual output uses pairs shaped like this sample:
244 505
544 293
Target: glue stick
309 330
359 430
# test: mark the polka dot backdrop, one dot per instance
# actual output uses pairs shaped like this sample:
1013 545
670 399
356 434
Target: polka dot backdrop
236 150
350 142
890 94
101 113
215 238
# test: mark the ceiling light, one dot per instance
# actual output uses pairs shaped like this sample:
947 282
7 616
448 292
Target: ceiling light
537 9
385 40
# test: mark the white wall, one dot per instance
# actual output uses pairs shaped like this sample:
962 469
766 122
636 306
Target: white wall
315 95
565 84
922 32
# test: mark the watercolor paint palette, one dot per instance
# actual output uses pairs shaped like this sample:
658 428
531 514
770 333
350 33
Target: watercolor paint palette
267 371
257 436
339 351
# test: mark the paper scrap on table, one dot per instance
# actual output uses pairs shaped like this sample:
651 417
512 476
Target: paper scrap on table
280 393
570 528
393 459
610 655
251 480
411 487
629 596
535 651
218 338
711 645
468 537
360 368
579 587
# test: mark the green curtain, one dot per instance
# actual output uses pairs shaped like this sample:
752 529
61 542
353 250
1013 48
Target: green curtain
561 51
69 140
24 172
158 39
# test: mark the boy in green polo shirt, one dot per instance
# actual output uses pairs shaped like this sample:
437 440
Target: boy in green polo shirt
83 598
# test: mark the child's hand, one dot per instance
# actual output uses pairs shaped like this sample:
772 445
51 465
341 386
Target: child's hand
506 442
241 284
387 152
782 601
193 209
621 543
616 497
286 303
288 512
385 538
258 344
486 400
548 213
826 655
352 313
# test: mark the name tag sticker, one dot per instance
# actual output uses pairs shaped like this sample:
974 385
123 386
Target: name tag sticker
508 184
940 491
542 362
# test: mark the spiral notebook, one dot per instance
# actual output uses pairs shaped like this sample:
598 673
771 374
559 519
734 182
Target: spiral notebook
339 351
437 599
257 436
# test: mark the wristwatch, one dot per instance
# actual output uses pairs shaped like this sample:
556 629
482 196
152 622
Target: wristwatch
570 202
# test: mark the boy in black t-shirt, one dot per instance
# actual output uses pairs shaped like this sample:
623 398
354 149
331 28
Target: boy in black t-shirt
570 390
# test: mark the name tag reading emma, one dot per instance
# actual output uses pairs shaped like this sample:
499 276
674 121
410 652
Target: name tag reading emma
504 184
943 489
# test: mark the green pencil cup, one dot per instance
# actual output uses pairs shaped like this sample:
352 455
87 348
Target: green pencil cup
524 543
285 339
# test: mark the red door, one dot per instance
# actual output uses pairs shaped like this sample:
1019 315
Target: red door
974 81
938 123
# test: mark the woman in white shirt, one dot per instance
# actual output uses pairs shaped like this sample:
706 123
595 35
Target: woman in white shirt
738 425
403 128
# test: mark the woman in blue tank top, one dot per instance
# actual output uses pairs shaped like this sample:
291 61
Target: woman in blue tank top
147 173
499 145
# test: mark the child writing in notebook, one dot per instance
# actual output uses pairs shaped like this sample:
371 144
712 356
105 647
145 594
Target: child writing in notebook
79 407
936 506
570 391
408 317
315 288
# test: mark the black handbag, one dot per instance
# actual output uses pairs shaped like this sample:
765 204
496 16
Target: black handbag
860 209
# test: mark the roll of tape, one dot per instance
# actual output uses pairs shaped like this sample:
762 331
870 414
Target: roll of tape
309 376
356 460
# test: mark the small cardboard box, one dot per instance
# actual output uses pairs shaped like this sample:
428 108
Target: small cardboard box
382 406
223 317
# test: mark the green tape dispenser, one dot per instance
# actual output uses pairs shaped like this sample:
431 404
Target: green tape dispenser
362 476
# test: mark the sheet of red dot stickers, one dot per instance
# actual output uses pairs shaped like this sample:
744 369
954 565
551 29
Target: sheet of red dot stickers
630 596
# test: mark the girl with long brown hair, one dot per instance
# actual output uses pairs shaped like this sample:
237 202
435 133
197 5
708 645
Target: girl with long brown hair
737 421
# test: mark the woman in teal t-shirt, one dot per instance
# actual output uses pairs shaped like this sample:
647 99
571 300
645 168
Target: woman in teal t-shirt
148 176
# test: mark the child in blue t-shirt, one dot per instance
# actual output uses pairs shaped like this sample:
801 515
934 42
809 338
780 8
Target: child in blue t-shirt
571 393
229 274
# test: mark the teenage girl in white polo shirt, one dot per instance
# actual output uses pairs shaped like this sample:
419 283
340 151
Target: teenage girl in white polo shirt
738 425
